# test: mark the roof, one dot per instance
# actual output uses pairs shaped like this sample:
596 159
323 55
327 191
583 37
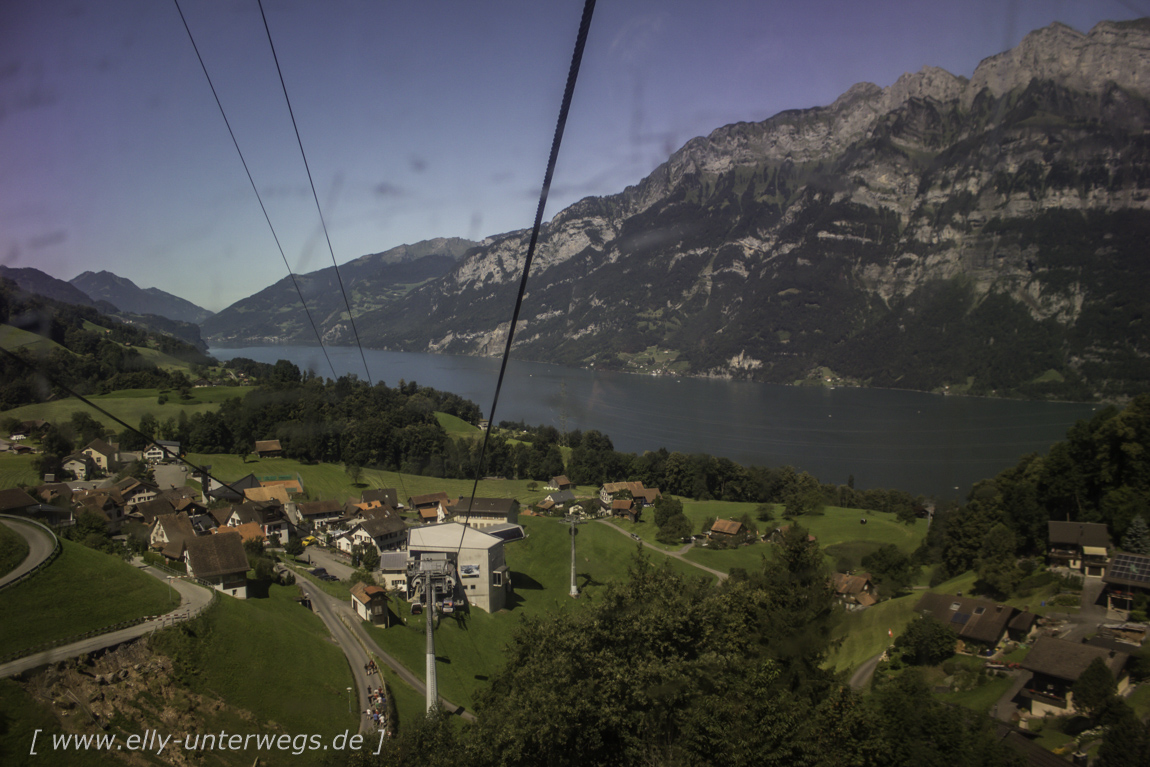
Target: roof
291 485
621 504
448 537
726 526
366 594
1078 533
176 527
979 620
380 527
502 506
1067 660
636 488
427 500
1128 570
213 555
101 447
562 496
247 531
15 498
267 445
316 508
507 531
155 508
393 560
560 481
848 584
388 495
1023 621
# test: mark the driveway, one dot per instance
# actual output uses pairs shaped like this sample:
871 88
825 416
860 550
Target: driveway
676 554
40 546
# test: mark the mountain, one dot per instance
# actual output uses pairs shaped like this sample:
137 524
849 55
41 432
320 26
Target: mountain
984 235
35 281
373 283
126 296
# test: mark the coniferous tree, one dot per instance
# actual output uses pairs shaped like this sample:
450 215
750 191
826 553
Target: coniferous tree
1137 538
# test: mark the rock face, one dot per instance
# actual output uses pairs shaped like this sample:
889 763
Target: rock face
985 235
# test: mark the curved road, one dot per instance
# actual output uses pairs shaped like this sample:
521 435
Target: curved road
676 554
347 629
40 546
194 599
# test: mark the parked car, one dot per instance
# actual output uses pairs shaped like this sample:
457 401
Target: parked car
688 539
318 572
635 536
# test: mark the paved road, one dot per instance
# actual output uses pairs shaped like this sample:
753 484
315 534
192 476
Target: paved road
40 546
862 675
194 598
676 554
335 564
340 618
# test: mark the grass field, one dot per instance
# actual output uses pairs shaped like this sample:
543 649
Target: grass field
129 405
471 649
13 549
82 590
276 659
14 338
17 470
457 427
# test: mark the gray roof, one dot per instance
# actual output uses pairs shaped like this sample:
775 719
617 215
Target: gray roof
388 495
379 527
393 560
1079 534
979 620
1067 660
219 554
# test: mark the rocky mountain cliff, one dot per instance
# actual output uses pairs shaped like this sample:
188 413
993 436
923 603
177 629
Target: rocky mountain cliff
373 283
126 296
940 234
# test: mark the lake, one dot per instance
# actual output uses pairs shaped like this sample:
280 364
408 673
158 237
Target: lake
923 443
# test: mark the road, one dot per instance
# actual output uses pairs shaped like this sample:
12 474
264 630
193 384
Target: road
40 546
194 598
678 554
862 675
333 563
348 630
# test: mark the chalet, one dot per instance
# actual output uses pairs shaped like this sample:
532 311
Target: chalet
170 535
161 451
103 454
385 495
1056 664
135 491
1127 576
105 502
318 513
484 512
433 515
975 621
249 531
853 591
429 501
559 499
626 508
1082 546
148 511
79 465
221 561
268 448
370 603
382 534
561 483
269 518
725 529
607 491
232 491
55 492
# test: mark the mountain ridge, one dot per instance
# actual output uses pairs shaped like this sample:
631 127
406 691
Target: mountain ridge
126 296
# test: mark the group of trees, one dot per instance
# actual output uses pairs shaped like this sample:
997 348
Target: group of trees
665 669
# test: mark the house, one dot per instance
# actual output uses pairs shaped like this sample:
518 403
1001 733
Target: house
393 570
55 492
79 465
103 501
1023 626
148 511
268 448
135 491
625 507
1056 664
385 495
483 577
232 491
561 483
249 531
1082 546
383 534
318 513
559 498
292 486
103 454
221 561
725 529
267 496
975 621
608 490
269 518
160 451
429 501
854 591
370 603
484 512
16 501
170 535
1127 575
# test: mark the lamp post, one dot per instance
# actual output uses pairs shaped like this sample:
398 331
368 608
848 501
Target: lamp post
170 587
349 700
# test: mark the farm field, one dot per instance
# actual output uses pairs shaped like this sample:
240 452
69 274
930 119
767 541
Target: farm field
472 647
17 470
12 338
129 405
102 590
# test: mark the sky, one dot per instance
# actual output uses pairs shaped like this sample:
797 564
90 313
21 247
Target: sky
418 120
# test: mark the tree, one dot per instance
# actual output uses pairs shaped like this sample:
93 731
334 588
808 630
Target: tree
666 506
1137 538
1094 687
674 529
998 571
361 575
294 547
926 642
369 558
355 471
890 567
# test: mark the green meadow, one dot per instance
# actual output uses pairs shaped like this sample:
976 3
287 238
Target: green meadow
129 405
17 470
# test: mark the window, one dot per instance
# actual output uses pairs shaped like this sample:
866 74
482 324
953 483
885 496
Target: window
979 610
955 606
497 579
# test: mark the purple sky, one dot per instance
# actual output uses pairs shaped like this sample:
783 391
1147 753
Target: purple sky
419 119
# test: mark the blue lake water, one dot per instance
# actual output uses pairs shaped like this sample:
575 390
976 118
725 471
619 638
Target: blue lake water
923 443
